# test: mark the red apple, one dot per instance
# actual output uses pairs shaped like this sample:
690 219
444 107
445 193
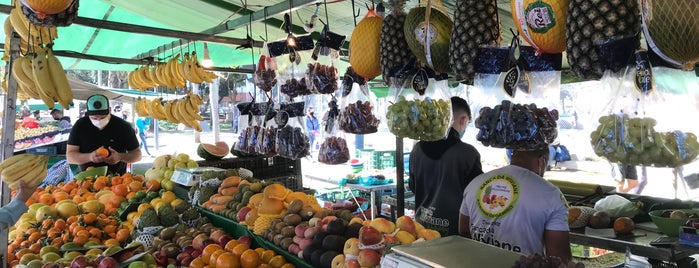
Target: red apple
300 229
245 240
198 241
216 234
171 261
304 243
160 258
186 261
80 262
208 242
294 249
188 249
196 253
108 262
368 258
181 256
224 239
352 264
242 213
369 236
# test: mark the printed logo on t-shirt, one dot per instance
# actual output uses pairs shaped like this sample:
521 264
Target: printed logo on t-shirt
497 196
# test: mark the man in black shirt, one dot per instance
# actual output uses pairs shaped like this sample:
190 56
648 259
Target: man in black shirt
440 171
100 129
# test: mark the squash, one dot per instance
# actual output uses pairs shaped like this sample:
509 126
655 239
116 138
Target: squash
212 152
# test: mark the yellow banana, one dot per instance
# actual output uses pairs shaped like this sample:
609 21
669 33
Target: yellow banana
8 28
205 75
26 66
16 171
141 80
19 26
129 80
14 160
189 71
60 80
174 71
36 175
177 109
141 110
158 109
196 126
42 78
22 79
168 113
181 67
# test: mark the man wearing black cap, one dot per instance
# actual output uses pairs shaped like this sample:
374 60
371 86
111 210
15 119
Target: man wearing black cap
100 129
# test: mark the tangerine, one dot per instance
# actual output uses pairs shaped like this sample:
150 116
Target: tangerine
208 251
239 249
102 152
249 259
214 256
231 244
227 260
197 263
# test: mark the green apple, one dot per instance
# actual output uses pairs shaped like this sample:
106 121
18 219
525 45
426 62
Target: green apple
138 264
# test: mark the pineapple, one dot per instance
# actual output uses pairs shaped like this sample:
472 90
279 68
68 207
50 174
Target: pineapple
592 21
394 49
476 24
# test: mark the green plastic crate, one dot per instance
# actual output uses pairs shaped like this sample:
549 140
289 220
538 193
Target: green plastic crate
368 156
386 159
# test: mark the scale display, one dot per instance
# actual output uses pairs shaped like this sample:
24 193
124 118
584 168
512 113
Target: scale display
190 176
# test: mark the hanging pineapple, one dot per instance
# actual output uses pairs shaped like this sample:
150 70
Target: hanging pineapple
541 23
591 21
476 24
435 34
364 46
394 50
672 30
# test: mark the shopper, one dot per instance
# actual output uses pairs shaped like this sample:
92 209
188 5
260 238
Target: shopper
439 172
626 177
63 121
143 125
514 208
312 127
10 213
101 129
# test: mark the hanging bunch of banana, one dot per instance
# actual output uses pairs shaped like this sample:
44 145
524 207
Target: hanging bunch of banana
172 74
184 110
41 76
29 168
31 36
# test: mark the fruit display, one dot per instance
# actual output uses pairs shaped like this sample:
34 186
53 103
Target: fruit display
476 25
184 110
163 167
592 21
365 45
212 152
333 151
393 48
358 118
172 74
31 133
437 33
543 261
634 141
517 126
426 120
28 168
323 77
31 36
541 23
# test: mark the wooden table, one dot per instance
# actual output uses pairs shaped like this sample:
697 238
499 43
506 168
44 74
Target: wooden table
638 243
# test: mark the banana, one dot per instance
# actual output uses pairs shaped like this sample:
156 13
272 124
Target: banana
181 67
174 71
165 70
196 126
141 110
158 109
192 110
129 80
26 65
36 175
205 75
14 160
141 80
189 71
60 80
40 70
18 24
168 113
22 79
177 112
16 171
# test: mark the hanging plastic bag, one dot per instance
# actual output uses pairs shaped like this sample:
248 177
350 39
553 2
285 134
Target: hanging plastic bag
421 109
292 56
517 126
266 138
266 73
333 149
636 129
244 120
357 113
323 73
292 141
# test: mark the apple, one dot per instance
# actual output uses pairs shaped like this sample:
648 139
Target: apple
300 229
369 236
108 262
245 240
181 256
80 262
188 249
383 225
368 258
196 253
198 241
242 213
351 246
186 261
304 243
224 239
310 232
208 242
328 219
171 261
294 248
160 258
314 222
215 235
352 264
407 224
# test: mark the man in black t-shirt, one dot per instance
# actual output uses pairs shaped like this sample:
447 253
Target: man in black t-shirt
440 171
100 129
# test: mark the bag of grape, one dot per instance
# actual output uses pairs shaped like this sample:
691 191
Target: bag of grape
357 110
635 128
266 138
292 56
333 149
292 141
421 108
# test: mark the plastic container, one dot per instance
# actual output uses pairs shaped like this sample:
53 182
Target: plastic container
669 226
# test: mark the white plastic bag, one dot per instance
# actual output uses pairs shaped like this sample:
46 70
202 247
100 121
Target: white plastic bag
616 206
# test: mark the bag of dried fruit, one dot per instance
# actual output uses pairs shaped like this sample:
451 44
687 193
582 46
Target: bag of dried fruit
266 73
421 106
357 109
244 119
266 139
292 56
292 141
333 149
323 72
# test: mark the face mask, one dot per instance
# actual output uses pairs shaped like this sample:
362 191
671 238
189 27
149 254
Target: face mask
100 124
312 113
461 134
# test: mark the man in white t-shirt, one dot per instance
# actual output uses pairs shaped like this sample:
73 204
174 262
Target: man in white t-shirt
514 208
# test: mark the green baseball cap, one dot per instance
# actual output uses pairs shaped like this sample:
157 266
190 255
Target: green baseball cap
97 105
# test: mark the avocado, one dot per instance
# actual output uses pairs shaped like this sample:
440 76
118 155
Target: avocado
315 257
334 242
307 252
353 230
318 238
327 258
337 226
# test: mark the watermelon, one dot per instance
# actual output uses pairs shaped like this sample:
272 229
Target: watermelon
211 152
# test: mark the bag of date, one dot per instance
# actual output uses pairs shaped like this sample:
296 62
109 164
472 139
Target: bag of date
333 150
357 110
292 141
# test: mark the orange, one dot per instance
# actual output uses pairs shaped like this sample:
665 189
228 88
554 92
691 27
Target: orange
623 225
208 251
89 218
135 186
249 259
153 185
214 256
102 152
122 235
120 190
239 249
267 255
277 261
197 263
227 260
117 180
111 242
231 244
46 198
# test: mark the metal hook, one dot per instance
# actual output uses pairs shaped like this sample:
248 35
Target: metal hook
355 15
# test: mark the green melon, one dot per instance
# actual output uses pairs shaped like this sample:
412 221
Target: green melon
440 33
211 152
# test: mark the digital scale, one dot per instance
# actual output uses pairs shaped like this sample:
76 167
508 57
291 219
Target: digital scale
191 176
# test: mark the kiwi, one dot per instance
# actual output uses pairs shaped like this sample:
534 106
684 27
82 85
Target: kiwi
292 219
279 226
295 206
288 231
306 212
286 242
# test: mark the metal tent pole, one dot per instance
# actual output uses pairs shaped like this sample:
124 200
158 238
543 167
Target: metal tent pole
400 183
